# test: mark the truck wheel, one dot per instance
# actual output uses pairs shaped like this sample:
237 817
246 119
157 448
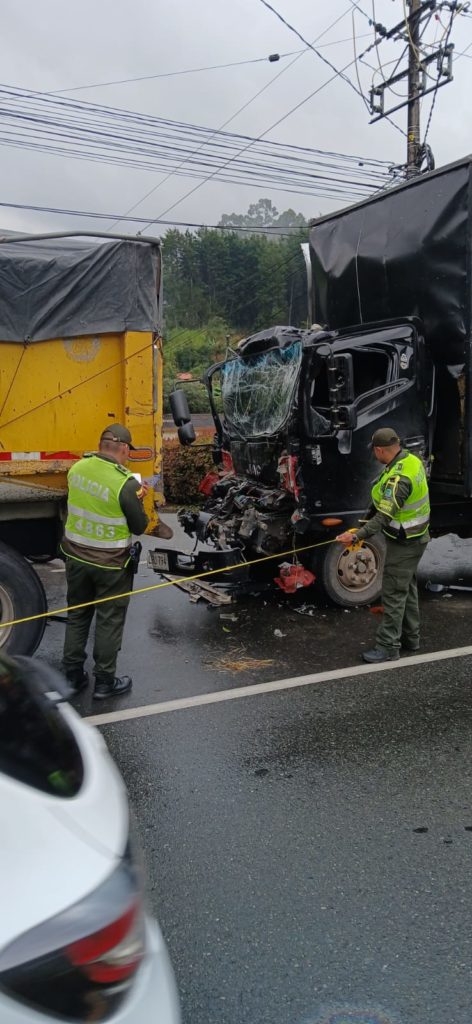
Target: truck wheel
21 594
352 578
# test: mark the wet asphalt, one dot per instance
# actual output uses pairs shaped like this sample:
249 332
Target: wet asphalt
309 851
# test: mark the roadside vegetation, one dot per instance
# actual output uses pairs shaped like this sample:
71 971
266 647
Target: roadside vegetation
221 286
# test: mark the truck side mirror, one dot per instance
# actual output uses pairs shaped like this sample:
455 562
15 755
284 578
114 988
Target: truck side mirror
179 407
341 379
186 433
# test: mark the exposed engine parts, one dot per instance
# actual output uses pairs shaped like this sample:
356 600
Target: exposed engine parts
240 512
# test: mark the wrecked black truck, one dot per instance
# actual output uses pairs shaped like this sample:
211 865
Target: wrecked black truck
390 288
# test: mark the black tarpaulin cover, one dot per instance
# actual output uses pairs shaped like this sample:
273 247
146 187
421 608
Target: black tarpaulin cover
55 288
406 252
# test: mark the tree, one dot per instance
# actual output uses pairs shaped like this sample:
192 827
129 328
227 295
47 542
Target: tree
244 281
264 214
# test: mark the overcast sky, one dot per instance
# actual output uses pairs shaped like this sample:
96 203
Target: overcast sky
49 45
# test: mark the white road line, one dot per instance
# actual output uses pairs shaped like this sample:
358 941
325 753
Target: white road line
199 700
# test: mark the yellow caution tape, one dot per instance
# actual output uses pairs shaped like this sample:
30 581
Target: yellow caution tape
167 583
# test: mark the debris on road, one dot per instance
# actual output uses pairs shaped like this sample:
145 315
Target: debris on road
229 664
305 609
440 588
293 576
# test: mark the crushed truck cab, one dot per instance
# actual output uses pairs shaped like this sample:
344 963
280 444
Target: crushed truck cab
299 408
390 283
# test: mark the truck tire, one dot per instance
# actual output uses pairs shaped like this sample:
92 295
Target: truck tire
21 594
351 578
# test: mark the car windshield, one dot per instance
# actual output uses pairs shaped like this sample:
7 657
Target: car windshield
257 391
37 747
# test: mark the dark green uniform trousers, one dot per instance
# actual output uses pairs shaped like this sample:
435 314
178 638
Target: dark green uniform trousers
86 583
401 618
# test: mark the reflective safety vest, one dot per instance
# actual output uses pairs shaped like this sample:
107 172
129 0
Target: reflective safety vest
94 515
413 516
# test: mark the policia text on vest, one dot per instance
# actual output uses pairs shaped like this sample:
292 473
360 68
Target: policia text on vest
401 510
104 510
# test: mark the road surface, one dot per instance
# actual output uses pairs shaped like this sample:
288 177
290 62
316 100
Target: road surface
308 842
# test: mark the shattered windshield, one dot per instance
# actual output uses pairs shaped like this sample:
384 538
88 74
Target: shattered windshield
257 392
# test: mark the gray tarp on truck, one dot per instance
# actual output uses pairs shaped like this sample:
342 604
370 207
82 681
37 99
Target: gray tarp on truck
405 252
62 287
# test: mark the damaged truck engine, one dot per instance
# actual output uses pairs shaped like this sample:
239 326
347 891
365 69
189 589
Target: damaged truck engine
390 282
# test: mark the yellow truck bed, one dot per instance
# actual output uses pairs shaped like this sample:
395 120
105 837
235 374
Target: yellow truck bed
80 349
56 398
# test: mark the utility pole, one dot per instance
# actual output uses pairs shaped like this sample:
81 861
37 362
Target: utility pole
413 160
421 62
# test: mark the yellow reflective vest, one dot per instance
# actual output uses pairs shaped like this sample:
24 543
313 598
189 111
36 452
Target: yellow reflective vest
94 515
414 515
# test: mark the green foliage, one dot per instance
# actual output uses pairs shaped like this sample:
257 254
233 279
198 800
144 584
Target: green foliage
193 351
184 469
221 286
264 213
223 282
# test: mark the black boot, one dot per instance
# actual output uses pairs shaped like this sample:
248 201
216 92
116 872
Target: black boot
77 678
109 687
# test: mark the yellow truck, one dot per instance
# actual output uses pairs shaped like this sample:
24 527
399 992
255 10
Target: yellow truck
80 347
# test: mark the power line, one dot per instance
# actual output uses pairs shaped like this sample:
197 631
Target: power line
232 118
357 7
338 72
356 62
440 67
311 47
156 141
270 128
68 120
96 215
272 58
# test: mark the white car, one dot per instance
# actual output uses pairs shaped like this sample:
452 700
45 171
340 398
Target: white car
75 942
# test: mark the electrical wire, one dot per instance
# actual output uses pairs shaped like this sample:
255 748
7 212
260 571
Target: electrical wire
357 7
356 62
194 71
232 118
395 63
173 74
377 50
269 229
303 173
144 138
86 131
339 72
270 128
412 43
440 67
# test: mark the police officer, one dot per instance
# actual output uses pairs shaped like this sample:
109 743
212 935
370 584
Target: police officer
400 508
104 509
